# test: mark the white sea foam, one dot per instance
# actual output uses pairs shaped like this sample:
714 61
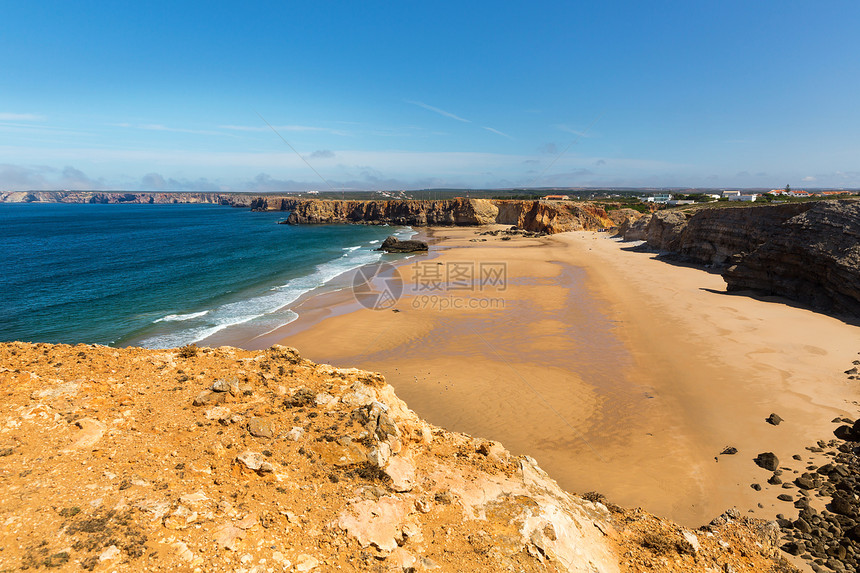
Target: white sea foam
266 311
404 233
181 317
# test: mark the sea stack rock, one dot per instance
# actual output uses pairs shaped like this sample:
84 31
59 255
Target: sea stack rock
394 245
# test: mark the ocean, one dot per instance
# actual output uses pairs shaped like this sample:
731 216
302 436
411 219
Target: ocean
162 276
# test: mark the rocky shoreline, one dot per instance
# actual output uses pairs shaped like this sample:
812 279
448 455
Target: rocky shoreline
828 537
826 530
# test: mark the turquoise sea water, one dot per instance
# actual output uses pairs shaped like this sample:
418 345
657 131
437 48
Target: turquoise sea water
162 275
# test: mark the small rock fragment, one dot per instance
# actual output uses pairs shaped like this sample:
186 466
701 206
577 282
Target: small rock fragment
692 540
401 559
227 536
494 451
279 558
209 398
219 413
379 455
248 521
182 551
255 461
305 562
402 474
261 428
111 552
91 431
181 518
221 386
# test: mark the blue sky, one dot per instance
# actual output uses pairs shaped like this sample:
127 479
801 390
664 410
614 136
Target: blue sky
382 95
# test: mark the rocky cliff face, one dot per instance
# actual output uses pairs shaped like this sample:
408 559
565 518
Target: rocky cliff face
224 459
417 213
814 258
537 216
804 251
123 197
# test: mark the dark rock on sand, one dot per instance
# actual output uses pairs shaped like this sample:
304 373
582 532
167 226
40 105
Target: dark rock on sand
767 460
773 420
843 503
829 539
806 481
845 433
793 548
394 245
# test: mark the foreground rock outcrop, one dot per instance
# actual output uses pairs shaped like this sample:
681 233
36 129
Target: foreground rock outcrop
230 460
808 252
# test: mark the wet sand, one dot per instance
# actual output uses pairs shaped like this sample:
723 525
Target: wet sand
618 372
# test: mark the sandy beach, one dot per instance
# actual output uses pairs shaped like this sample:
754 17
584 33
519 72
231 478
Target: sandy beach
618 372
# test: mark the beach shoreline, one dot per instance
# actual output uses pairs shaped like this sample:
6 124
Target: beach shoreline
618 372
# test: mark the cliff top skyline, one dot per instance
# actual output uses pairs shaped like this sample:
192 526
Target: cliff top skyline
165 96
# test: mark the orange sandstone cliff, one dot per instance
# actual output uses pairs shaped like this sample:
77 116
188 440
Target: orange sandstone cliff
231 460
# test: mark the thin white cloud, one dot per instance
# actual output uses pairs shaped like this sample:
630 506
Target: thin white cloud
21 117
808 179
497 132
244 127
568 129
439 111
161 127
292 128
35 129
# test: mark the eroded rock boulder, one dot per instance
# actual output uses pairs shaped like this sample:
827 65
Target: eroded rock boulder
394 245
